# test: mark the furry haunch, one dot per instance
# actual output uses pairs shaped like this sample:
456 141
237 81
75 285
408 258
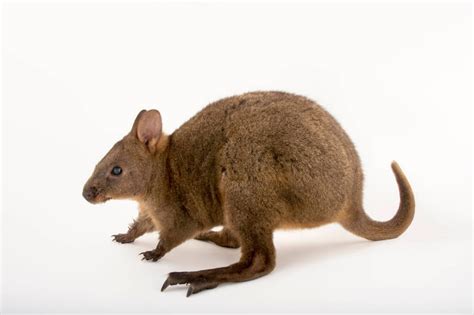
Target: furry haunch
252 163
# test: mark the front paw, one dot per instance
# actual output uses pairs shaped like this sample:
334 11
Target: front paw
123 238
153 255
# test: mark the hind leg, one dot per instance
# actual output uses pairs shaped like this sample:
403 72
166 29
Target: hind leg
224 238
250 218
258 259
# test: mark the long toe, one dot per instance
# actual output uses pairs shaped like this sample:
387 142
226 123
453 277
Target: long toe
196 287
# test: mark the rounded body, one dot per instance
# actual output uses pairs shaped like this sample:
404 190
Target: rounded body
290 155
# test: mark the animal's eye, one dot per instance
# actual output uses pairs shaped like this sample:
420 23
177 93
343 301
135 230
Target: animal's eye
117 170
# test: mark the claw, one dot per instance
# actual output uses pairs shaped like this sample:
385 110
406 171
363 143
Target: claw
145 255
195 285
151 255
190 291
122 238
165 285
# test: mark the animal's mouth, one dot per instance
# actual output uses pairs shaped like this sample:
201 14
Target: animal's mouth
100 199
94 195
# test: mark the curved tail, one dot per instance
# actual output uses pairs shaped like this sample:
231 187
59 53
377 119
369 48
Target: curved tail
362 225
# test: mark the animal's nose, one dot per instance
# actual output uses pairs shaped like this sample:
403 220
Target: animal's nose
90 193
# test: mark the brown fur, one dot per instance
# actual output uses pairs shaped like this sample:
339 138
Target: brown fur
253 163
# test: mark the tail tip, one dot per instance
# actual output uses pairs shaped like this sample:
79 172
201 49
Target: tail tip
395 166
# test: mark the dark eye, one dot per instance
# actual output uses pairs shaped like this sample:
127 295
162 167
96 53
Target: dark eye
117 170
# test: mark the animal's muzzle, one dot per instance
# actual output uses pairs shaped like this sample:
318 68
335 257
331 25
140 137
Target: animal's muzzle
90 193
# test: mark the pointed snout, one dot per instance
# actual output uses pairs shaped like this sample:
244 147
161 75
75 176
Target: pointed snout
90 193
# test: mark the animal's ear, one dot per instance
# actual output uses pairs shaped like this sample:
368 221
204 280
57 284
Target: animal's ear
147 127
135 123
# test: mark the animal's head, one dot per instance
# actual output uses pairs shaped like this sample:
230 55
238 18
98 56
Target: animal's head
126 170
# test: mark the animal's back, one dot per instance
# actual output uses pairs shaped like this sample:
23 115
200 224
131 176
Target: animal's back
289 149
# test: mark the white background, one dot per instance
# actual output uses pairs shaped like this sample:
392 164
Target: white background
397 76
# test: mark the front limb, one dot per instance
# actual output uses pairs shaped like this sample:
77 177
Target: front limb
169 239
143 224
